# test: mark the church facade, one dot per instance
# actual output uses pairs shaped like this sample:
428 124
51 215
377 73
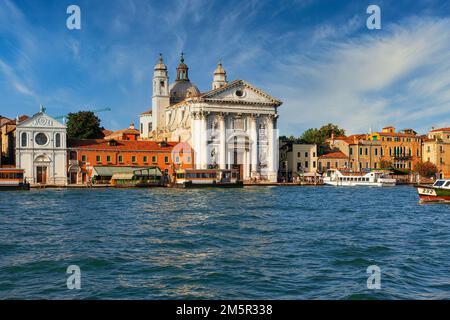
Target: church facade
233 125
41 150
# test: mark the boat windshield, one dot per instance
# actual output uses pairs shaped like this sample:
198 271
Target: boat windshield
439 183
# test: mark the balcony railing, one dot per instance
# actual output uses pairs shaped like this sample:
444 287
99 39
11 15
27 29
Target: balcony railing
74 162
402 157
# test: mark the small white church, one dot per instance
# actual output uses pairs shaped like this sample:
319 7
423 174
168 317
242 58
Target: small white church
41 150
233 125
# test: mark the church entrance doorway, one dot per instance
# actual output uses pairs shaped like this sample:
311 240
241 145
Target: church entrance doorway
73 177
41 174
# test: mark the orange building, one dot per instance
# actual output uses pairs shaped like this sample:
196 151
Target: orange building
130 133
333 160
403 149
99 159
436 149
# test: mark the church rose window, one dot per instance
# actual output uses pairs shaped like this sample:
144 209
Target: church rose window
41 139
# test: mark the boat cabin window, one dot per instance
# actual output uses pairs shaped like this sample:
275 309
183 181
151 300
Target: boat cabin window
180 175
11 175
439 183
201 175
447 184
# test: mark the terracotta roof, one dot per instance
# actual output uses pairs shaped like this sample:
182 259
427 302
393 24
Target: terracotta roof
107 132
123 145
351 139
396 134
4 121
147 112
441 129
334 155
125 131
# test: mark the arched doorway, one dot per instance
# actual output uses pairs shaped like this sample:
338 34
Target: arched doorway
42 168
239 154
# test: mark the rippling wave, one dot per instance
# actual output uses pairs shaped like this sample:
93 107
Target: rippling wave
251 243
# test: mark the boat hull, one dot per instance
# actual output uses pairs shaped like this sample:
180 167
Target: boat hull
190 184
429 194
359 184
13 187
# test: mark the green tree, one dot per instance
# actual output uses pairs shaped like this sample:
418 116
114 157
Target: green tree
385 164
426 169
312 136
84 125
329 129
318 136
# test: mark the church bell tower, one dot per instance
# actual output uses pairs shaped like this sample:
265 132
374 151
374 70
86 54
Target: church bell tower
220 77
161 97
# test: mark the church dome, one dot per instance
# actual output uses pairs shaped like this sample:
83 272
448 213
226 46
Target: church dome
180 90
160 65
219 69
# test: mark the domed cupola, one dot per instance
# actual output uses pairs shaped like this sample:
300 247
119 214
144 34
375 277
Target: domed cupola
182 88
160 66
220 77
182 70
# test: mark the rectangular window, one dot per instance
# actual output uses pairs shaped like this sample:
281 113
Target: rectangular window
351 151
188 159
360 151
145 159
166 159
314 164
120 159
367 151
154 159
98 158
376 151
306 164
108 159
133 159
306 154
83 158
298 155
177 159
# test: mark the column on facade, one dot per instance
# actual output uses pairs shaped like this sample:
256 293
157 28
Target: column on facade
223 142
204 141
254 145
196 139
273 148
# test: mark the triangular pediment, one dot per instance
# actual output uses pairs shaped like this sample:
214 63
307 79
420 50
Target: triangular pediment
240 91
41 120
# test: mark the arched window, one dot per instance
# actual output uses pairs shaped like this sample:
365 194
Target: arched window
24 139
58 140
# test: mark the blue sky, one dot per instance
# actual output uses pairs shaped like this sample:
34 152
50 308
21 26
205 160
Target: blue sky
318 57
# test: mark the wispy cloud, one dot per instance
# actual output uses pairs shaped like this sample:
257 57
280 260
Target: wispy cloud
397 76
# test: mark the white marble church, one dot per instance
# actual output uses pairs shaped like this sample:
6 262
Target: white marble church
41 150
234 125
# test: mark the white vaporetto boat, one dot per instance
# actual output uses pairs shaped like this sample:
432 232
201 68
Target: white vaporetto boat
335 177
